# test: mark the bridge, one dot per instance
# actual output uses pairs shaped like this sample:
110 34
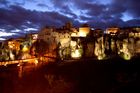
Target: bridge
31 60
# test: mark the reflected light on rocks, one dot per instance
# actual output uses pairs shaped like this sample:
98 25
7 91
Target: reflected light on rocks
76 54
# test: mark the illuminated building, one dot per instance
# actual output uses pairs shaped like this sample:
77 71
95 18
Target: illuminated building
52 35
112 30
83 31
59 37
137 29
97 33
76 48
134 34
32 36
78 42
14 44
45 34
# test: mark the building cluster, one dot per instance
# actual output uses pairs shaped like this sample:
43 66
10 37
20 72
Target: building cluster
70 42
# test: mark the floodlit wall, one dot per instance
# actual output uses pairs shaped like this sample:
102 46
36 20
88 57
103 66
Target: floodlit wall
83 31
112 30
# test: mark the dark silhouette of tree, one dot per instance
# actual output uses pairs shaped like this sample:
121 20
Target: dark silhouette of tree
41 47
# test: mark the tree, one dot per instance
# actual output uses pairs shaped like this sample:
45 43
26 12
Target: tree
41 47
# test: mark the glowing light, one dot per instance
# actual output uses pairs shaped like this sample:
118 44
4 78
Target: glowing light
10 44
112 31
101 57
99 50
12 56
5 64
76 54
74 35
36 61
64 42
25 49
82 34
83 31
35 36
127 56
131 34
26 56
73 43
18 65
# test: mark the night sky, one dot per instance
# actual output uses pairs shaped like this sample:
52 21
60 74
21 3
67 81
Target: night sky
18 17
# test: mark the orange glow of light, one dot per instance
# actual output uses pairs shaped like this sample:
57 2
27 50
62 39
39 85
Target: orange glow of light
5 64
25 49
36 61
82 34
26 56
11 45
18 65
83 31
112 30
74 35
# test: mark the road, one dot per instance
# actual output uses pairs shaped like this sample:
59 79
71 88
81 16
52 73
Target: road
84 76
31 60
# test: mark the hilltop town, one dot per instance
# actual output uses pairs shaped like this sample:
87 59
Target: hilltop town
69 42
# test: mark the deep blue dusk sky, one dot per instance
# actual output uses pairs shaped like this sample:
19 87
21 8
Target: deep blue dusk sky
18 17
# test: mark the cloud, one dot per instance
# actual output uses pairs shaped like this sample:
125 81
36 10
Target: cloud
134 22
42 5
131 6
94 12
21 18
4 2
98 15
85 18
93 9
